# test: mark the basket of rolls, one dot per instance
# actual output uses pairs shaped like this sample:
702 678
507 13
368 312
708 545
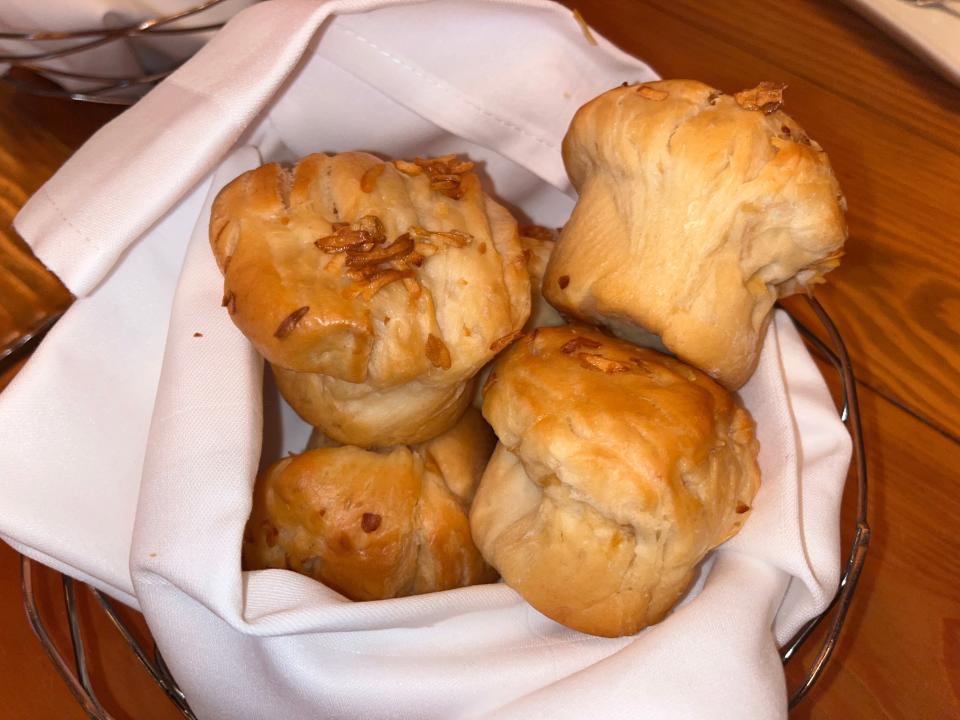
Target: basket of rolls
465 391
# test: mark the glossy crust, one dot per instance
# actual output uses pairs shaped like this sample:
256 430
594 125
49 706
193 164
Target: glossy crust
417 325
374 525
697 210
618 468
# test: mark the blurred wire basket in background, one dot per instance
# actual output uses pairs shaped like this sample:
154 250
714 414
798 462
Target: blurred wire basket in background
72 64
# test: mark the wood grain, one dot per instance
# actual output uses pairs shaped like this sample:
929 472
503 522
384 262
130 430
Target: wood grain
30 687
892 138
898 655
36 136
892 128
839 52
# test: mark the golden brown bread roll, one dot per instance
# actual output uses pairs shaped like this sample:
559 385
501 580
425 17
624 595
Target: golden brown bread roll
697 210
374 524
357 414
377 290
618 468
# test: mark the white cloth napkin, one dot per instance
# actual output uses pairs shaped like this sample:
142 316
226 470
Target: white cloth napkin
499 81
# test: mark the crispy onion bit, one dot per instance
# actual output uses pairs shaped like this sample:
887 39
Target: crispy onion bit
407 168
437 352
378 280
456 238
359 249
574 344
361 236
290 322
444 184
445 177
652 93
441 181
459 167
342 240
499 344
425 249
415 259
592 361
399 248
446 173
441 160
767 96
373 226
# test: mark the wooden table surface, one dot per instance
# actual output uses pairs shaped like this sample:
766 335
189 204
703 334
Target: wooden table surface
892 129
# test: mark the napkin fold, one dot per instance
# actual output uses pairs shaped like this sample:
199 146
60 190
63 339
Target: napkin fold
145 408
74 421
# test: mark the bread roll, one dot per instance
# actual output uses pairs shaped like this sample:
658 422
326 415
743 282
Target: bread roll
618 469
374 525
697 210
367 417
363 282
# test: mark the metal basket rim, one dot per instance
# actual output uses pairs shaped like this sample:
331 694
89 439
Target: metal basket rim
104 88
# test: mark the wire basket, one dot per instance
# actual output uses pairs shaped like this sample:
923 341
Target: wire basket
111 89
76 675
127 89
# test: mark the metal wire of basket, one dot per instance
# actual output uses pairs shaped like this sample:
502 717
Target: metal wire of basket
76 674
110 89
